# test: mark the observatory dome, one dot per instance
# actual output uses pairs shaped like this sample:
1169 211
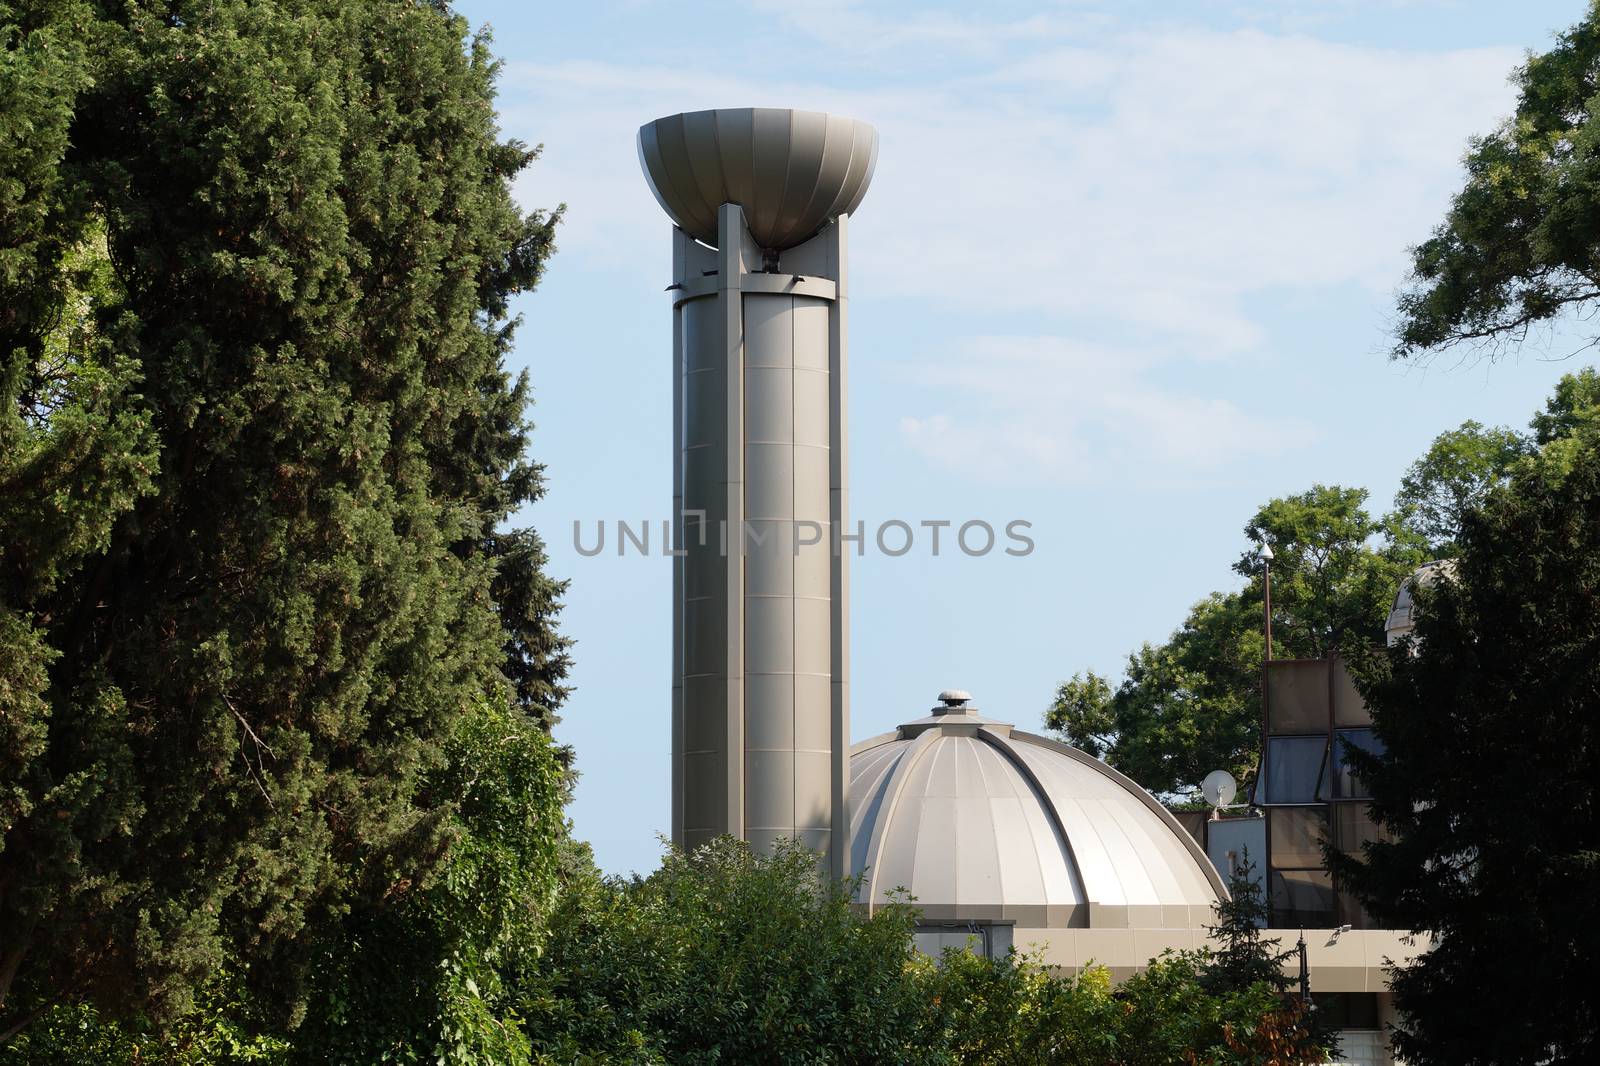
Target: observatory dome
1402 619
979 821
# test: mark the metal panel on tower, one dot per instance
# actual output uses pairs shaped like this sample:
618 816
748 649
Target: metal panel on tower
760 198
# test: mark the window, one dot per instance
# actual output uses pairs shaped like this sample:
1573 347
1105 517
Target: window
984 939
1302 898
1353 826
1297 696
1346 785
1297 835
1347 1010
1292 769
1348 707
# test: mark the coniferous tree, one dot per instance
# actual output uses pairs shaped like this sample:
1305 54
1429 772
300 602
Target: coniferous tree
1490 780
1242 958
257 446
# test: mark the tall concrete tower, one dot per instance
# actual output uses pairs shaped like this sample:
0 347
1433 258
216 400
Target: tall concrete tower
761 199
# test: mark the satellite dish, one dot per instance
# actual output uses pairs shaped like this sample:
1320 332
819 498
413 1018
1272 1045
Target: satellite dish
1219 788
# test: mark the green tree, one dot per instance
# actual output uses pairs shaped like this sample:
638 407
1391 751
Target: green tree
724 955
1172 1017
1574 406
1192 704
1518 245
1242 958
1335 572
1454 477
432 972
257 449
1084 711
1183 708
729 956
1011 1010
1568 424
1488 786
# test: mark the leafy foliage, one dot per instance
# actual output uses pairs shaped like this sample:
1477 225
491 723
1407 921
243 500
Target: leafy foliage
1454 477
1575 406
728 956
1192 704
1496 697
257 445
1336 569
222 1030
1519 243
1183 708
430 972
724 955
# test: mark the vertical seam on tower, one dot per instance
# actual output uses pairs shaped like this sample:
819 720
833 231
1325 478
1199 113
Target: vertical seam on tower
794 591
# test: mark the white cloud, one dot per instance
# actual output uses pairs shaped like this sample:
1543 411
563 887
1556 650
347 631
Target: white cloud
1043 409
1147 186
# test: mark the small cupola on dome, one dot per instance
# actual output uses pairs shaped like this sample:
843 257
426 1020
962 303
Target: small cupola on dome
979 821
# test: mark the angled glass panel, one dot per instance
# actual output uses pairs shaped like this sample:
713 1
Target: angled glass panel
1292 769
1346 785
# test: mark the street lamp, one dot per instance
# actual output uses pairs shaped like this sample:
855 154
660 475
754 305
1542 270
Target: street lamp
1265 555
1305 975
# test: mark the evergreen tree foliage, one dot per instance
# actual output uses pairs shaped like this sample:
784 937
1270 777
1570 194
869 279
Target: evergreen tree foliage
1490 781
1242 958
257 449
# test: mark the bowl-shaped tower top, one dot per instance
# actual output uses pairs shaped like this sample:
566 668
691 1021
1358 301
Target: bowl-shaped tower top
791 171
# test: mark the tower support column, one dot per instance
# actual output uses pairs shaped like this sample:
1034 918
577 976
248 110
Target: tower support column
760 692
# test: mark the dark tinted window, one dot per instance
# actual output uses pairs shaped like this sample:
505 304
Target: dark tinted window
1293 768
1302 898
1346 785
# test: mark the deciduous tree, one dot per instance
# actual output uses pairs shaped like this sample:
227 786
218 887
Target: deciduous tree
1518 246
1192 704
1453 478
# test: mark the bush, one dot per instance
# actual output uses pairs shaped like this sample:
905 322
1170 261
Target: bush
724 955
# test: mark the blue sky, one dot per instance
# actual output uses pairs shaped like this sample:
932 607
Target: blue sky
1125 272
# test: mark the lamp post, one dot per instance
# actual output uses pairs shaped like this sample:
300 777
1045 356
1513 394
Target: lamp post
1305 973
1266 563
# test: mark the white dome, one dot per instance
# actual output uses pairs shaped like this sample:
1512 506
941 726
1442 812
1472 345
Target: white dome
1402 619
979 821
